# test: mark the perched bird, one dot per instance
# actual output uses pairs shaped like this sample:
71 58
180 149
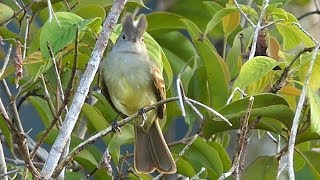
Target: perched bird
131 81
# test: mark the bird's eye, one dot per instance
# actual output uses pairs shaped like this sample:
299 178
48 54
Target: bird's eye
142 39
124 36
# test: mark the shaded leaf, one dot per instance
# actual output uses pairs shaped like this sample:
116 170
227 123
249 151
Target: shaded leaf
118 139
265 167
216 70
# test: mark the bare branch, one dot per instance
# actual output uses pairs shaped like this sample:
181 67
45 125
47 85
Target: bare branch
83 89
296 118
3 165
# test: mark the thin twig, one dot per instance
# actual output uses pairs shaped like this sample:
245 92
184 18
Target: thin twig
196 177
59 84
211 110
17 13
21 142
296 118
233 92
282 79
83 89
243 14
257 28
26 37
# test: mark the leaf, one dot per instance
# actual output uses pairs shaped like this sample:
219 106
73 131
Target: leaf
226 162
7 134
118 139
253 70
86 12
5 12
160 21
230 22
60 37
292 36
314 99
184 167
104 107
216 70
265 105
234 58
312 160
273 48
210 153
42 108
224 12
264 167
290 90
96 119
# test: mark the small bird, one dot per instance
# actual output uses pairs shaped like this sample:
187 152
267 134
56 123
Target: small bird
131 81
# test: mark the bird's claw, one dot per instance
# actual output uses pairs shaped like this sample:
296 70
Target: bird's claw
143 115
115 126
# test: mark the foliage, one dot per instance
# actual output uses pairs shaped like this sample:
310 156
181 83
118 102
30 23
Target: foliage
184 35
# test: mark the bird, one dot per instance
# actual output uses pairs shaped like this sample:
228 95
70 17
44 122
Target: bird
132 81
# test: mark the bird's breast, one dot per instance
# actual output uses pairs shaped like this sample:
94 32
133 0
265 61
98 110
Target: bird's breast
129 82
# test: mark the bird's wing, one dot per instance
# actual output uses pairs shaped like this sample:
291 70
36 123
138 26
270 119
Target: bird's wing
159 87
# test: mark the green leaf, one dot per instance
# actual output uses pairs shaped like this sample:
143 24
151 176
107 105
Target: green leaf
50 139
224 12
299 161
7 134
314 99
104 107
265 167
96 119
42 108
312 160
216 69
265 105
5 12
118 139
292 36
212 156
224 157
253 70
86 12
59 37
234 60
163 21
184 167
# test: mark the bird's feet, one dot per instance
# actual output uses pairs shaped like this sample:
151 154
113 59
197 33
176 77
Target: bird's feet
115 126
143 115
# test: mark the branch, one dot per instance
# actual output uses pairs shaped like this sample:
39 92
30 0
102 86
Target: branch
3 165
83 89
16 13
298 113
6 60
238 160
20 140
282 79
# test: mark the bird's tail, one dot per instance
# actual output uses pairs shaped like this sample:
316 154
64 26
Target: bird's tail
151 151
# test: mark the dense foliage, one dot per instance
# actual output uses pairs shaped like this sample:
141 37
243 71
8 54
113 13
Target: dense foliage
209 42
